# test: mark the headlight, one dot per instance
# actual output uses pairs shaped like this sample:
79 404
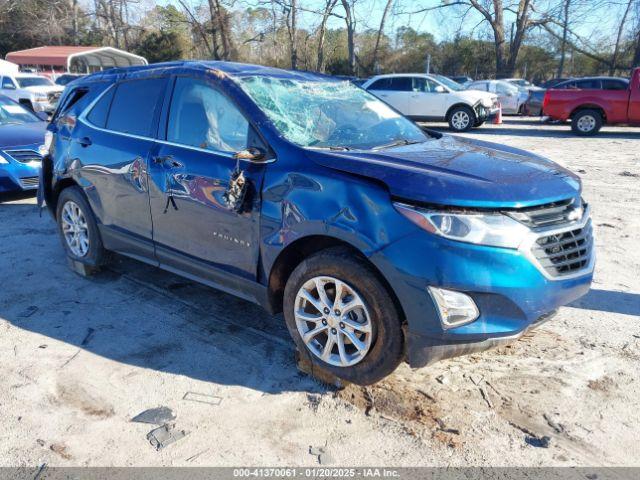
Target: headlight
493 229
3 160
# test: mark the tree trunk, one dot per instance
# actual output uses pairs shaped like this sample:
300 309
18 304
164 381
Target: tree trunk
293 33
616 50
636 56
351 44
563 43
322 30
385 12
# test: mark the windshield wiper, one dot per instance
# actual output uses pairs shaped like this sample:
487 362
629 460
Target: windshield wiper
331 147
396 143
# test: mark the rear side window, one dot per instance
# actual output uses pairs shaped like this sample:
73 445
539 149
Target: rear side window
134 106
614 85
98 114
398 84
589 84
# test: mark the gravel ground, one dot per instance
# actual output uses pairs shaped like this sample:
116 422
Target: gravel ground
80 357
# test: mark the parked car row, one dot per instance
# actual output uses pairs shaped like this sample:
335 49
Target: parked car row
424 97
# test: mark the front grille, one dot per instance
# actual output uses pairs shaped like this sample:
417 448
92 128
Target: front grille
29 182
565 252
24 156
551 214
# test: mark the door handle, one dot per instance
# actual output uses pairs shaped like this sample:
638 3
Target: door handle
383 95
167 161
84 141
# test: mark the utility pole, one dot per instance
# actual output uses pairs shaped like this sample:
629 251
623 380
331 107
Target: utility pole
428 66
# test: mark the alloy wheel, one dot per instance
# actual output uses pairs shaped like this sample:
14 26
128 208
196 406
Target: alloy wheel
75 229
460 120
333 321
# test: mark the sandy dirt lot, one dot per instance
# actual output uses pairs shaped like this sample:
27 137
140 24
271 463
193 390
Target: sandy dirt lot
80 357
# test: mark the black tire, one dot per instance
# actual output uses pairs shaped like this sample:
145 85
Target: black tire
479 123
464 112
586 123
96 254
387 342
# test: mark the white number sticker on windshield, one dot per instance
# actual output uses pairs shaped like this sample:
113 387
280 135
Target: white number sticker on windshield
13 108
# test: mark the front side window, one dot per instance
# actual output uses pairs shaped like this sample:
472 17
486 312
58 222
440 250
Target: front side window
25 82
612 84
423 85
329 114
134 106
201 116
506 89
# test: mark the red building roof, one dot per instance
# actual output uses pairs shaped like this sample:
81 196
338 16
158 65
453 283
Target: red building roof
46 55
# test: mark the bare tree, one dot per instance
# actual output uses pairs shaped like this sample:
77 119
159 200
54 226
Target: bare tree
322 32
616 50
376 47
350 22
566 6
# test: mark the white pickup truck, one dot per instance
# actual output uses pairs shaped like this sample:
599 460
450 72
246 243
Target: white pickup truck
426 98
33 91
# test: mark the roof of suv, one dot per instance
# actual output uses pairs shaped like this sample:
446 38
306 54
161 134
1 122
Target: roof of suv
231 69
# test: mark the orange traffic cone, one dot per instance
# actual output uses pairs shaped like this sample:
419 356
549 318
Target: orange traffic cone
498 118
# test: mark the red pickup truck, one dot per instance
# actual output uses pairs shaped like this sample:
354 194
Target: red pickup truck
590 109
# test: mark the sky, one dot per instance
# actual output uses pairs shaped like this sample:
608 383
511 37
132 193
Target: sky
442 23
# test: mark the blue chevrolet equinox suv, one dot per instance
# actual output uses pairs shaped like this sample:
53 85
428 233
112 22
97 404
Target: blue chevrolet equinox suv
378 240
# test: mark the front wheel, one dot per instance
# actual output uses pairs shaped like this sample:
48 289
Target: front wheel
341 315
461 119
586 123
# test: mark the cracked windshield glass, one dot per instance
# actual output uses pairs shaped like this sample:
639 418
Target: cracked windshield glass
331 115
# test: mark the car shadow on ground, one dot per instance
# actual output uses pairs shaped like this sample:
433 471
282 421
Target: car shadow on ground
14 196
549 130
137 315
610 301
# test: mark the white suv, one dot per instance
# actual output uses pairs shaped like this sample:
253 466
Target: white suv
33 91
425 98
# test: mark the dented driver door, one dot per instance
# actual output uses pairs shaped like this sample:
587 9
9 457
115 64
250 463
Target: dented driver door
199 227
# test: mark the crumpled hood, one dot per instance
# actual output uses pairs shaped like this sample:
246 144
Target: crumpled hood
459 172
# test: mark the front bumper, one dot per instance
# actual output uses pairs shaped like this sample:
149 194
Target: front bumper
16 176
511 291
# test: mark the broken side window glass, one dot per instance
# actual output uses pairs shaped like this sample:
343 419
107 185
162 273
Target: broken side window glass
329 114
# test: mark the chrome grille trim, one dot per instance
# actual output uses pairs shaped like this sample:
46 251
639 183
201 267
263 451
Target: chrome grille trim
564 251
556 213
23 156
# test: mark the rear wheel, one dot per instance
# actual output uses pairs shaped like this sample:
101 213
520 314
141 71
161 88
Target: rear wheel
341 315
78 228
461 119
586 122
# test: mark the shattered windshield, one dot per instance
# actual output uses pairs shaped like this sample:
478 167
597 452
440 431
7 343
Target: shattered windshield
328 114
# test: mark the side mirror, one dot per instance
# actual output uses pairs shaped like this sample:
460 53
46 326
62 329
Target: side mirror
440 89
252 153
